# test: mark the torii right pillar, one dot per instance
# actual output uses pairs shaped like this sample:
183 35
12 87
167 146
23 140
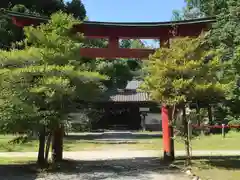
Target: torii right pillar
167 128
167 134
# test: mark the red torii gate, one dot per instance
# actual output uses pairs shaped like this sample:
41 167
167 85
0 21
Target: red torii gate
163 31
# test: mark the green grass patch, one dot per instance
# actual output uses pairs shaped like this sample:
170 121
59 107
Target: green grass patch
217 142
16 160
218 169
212 142
214 168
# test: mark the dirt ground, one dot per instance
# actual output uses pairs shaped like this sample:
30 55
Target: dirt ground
119 167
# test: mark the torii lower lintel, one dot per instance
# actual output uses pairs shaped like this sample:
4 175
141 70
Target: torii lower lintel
116 53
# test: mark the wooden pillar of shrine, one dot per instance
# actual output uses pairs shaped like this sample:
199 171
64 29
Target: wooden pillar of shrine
113 43
167 134
167 128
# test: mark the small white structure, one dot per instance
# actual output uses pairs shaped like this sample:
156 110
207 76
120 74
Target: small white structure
153 121
144 109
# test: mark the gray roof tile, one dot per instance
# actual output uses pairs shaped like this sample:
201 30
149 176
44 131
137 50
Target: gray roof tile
130 97
129 94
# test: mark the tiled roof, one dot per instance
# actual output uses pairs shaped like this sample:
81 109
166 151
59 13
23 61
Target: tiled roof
129 94
130 97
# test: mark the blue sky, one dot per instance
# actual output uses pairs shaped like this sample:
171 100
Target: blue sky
131 10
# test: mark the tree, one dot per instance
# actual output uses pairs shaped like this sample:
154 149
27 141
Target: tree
179 75
132 43
133 64
125 43
77 8
10 33
187 13
225 32
118 71
177 15
44 82
208 7
47 7
192 13
225 35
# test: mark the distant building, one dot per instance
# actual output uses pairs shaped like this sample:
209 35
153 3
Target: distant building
122 109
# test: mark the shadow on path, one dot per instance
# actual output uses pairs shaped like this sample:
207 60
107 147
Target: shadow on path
18 172
124 169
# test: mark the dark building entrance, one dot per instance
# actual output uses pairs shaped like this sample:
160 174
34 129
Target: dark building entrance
121 108
121 116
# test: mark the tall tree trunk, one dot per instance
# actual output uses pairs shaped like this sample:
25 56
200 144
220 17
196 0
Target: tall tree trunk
198 116
186 137
210 115
171 131
48 146
57 144
41 149
172 111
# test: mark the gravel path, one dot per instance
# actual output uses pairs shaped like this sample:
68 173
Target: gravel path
99 165
105 165
130 169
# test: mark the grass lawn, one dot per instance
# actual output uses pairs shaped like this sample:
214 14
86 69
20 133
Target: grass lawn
16 160
213 142
215 168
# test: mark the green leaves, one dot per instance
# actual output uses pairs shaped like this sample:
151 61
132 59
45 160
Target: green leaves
43 82
20 58
225 35
180 74
10 33
118 71
54 40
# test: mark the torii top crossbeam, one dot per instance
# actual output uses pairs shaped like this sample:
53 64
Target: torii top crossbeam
163 31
